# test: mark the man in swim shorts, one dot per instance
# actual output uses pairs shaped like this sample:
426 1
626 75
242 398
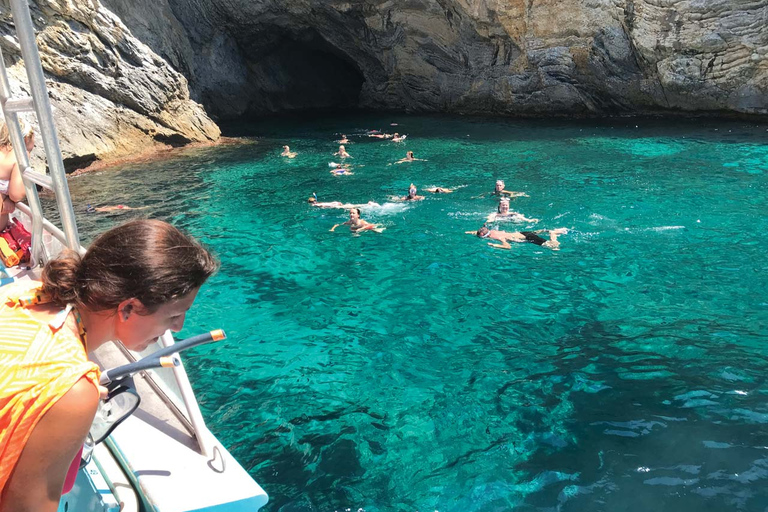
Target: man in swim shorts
520 236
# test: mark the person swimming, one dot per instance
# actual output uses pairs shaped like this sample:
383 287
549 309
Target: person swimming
519 237
91 209
409 158
338 204
288 153
503 212
439 190
412 194
341 171
343 139
499 191
356 224
342 152
398 138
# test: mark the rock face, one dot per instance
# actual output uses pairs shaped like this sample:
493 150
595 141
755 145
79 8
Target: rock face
119 69
112 95
517 57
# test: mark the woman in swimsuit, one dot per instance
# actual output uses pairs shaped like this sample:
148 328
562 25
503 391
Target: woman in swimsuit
11 184
409 158
287 152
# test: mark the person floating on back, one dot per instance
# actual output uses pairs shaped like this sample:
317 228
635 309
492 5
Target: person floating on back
520 236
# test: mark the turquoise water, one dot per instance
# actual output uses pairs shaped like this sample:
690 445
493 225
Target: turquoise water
420 369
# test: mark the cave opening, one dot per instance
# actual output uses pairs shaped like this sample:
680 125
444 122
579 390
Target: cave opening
303 74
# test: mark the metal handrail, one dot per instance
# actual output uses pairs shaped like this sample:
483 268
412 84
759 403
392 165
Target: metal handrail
26 34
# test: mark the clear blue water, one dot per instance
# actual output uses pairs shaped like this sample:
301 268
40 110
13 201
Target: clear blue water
420 369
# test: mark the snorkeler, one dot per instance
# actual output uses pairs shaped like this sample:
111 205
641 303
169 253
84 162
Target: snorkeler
398 138
379 135
287 152
503 212
338 204
409 158
94 209
342 153
356 224
412 196
341 171
439 190
520 236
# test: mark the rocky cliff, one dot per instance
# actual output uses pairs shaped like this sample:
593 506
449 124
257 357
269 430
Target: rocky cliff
125 70
529 57
112 96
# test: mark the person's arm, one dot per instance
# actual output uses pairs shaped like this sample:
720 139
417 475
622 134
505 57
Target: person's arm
16 190
37 480
514 194
491 218
504 245
335 226
8 206
524 218
470 232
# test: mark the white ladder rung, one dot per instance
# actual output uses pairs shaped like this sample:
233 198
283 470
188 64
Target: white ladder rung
21 104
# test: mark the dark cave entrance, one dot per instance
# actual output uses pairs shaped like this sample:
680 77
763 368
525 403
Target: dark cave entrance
300 75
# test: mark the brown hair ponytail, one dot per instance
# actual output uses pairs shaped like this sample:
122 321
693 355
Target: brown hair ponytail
149 260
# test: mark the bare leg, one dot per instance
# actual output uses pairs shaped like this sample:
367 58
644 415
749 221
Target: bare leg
553 243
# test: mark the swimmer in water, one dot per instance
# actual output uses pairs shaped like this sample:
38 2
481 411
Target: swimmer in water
503 212
412 196
398 138
287 152
520 236
341 171
378 135
439 190
338 204
342 153
356 224
499 191
94 209
409 158
343 139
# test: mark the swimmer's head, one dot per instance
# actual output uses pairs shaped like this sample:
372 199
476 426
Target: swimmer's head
286 148
89 209
312 200
341 148
483 232
412 190
409 154
503 205
499 185
354 214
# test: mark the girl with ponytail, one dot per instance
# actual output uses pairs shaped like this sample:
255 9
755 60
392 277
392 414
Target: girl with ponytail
135 282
